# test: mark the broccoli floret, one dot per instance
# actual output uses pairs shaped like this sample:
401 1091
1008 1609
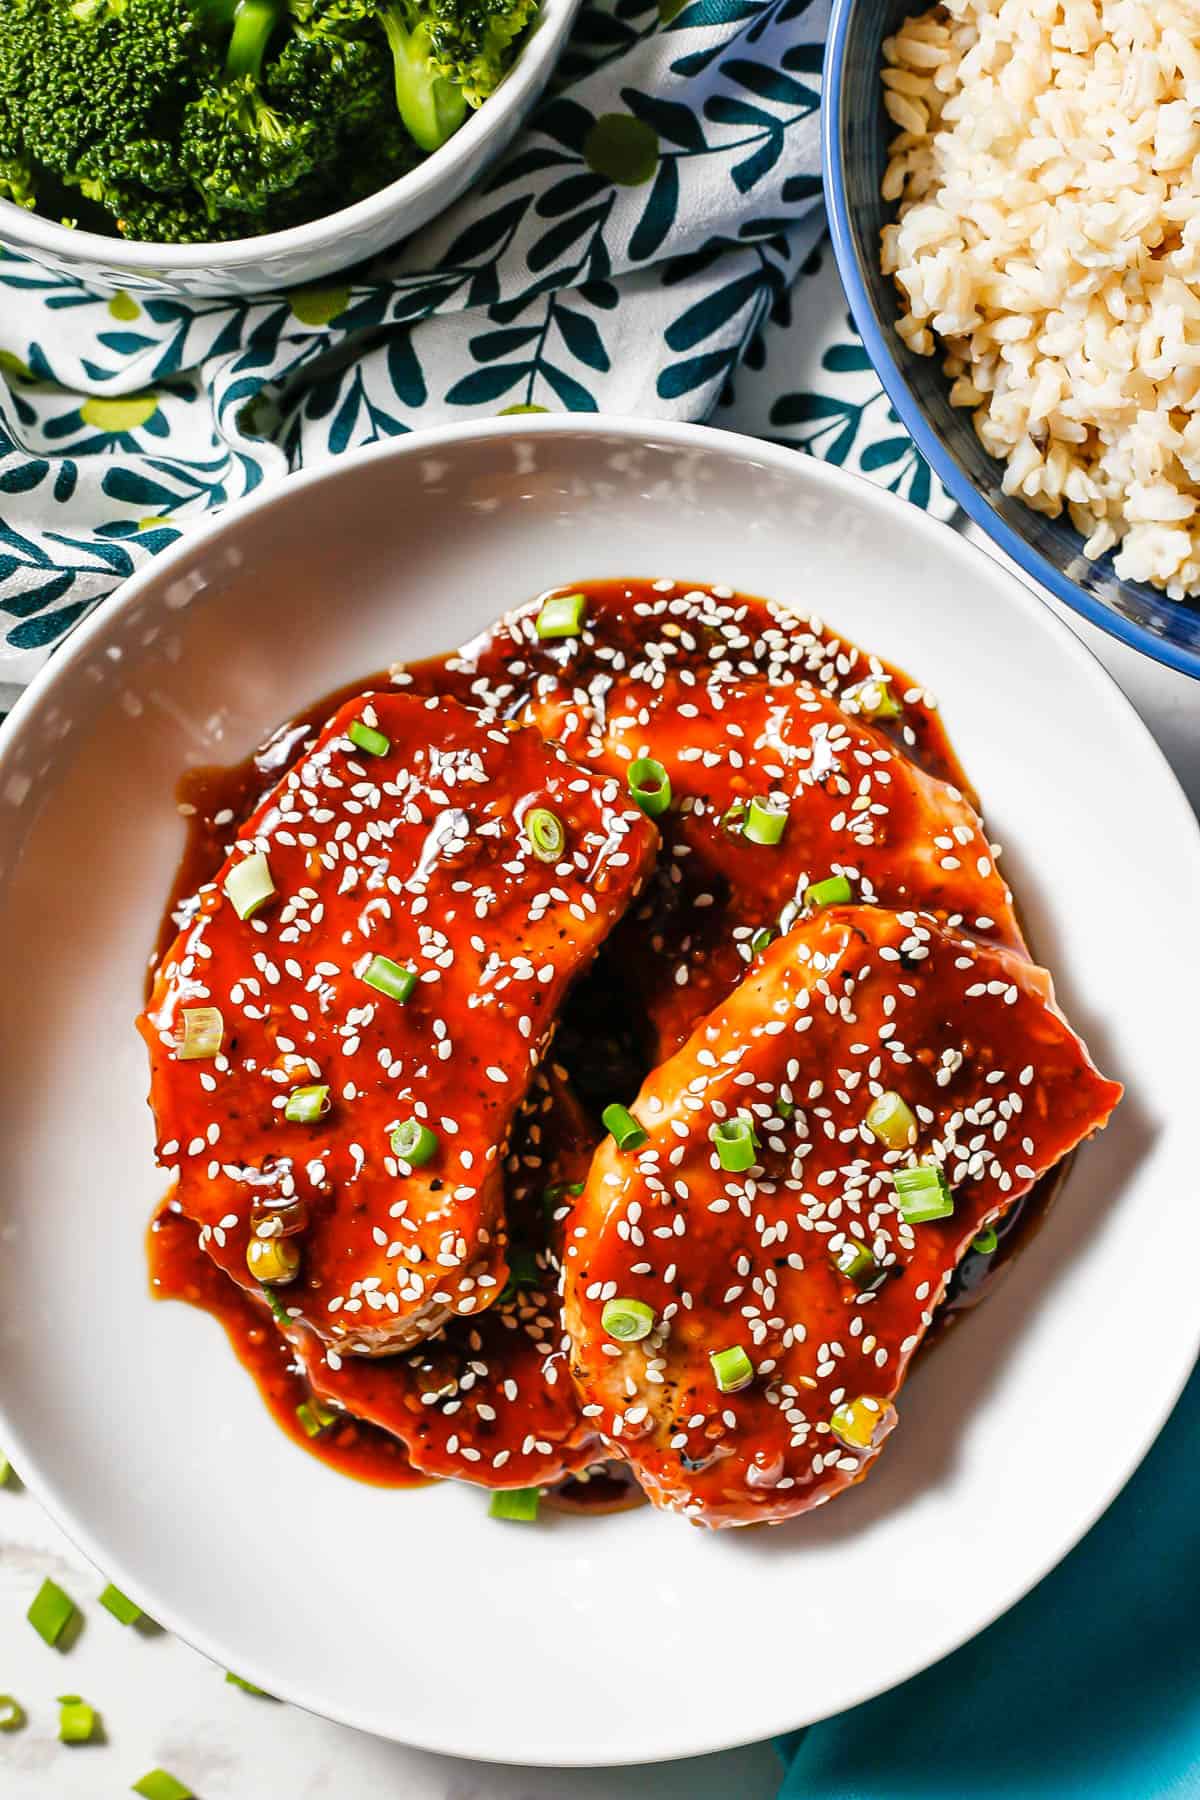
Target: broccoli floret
431 107
471 41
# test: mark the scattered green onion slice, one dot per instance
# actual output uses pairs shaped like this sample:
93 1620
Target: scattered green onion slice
414 1143
390 978
765 824
736 1143
892 1122
732 1368
734 816
76 1719
523 1272
248 885
875 698
922 1194
624 1127
784 1109
761 939
203 1029
552 1195
306 1105
516 1503
122 1608
857 1422
51 1612
628 1320
544 829
314 1417
365 736
12 1713
835 890
273 1260
858 1265
158 1785
247 1687
562 616
986 1242
278 1310
649 786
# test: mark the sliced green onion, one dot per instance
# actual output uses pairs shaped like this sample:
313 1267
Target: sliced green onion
516 1503
892 1122
761 939
783 1109
649 786
122 1608
390 978
523 1272
314 1417
986 1242
875 698
736 1144
51 1612
765 824
248 885
552 1195
628 1320
278 1310
306 1105
12 1713
158 1785
247 1687
561 616
857 1422
76 1719
544 829
734 817
414 1143
835 890
624 1127
273 1259
732 1368
367 738
858 1265
203 1029
922 1194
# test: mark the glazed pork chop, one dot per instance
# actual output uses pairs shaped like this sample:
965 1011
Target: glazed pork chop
745 1287
345 1028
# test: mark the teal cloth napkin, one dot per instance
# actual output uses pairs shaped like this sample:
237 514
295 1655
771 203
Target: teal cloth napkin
1087 1690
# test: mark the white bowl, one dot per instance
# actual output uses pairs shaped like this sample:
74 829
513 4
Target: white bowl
413 1614
284 259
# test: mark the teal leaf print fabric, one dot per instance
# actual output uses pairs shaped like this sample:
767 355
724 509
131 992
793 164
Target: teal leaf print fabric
619 258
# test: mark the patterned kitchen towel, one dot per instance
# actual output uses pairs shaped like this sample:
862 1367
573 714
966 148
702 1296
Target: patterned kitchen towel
619 259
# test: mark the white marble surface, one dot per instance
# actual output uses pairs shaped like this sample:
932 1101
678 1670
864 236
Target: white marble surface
164 1705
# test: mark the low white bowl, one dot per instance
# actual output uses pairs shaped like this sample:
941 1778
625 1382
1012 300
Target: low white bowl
413 1614
284 259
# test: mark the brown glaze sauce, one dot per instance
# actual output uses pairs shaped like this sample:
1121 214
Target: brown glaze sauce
214 800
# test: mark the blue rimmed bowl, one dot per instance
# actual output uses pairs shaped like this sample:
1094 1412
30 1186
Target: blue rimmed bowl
856 131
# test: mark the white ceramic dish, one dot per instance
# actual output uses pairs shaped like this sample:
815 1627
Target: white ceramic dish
413 1614
284 259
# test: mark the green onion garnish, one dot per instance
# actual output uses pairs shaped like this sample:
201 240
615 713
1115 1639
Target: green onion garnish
761 939
783 1108
891 1121
875 698
367 738
314 1417
552 1195
203 1029
561 616
76 1719
734 817
649 786
856 1421
736 1143
624 1127
414 1143
248 885
544 829
627 1320
306 1105
12 1713
523 1272
835 890
247 1687
273 1259
279 1311
732 1368
765 823
51 1612
858 1265
922 1194
122 1608
986 1242
390 978
515 1503
158 1785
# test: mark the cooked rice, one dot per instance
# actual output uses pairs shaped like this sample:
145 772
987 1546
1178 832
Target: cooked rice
1047 166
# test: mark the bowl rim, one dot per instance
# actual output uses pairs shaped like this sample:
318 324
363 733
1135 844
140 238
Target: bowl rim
25 230
876 341
683 437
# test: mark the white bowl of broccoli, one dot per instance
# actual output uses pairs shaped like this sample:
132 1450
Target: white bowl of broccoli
226 146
